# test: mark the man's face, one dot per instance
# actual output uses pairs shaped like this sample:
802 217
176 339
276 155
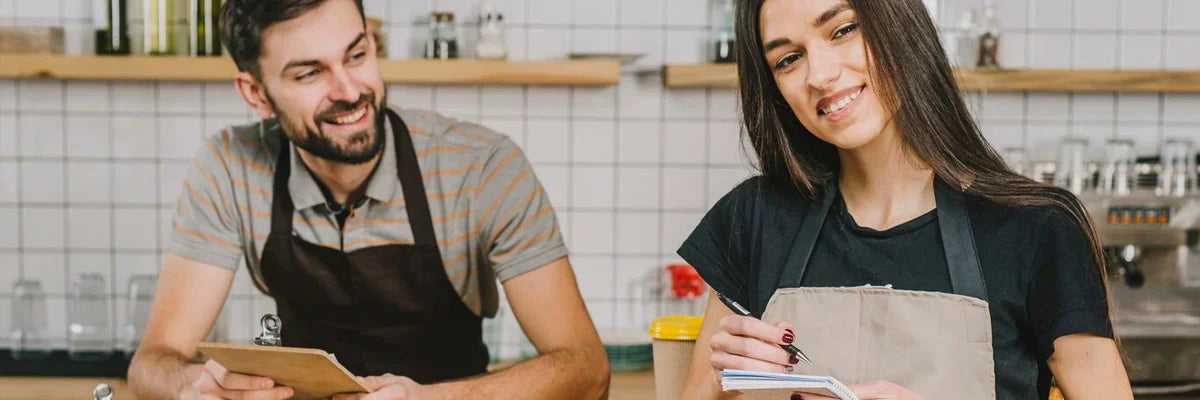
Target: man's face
322 80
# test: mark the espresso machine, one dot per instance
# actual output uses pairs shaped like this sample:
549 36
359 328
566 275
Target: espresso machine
1149 226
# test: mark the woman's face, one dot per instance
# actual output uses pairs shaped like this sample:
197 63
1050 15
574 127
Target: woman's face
819 59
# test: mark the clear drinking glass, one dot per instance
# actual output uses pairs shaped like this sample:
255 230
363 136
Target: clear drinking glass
1116 174
137 310
28 335
1072 172
1178 174
89 330
1017 159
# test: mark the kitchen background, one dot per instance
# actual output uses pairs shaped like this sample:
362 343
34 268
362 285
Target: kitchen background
90 170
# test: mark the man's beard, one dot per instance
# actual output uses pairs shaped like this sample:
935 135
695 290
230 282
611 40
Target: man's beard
361 147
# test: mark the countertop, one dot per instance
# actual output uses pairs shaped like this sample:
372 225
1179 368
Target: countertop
625 386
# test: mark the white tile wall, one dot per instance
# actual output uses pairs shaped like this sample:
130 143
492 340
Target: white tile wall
89 170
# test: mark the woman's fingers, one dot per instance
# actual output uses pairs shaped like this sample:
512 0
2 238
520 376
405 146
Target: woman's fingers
755 328
723 361
725 342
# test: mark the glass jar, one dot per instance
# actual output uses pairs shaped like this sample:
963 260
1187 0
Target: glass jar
443 37
723 34
492 44
1072 172
1116 174
1177 178
28 336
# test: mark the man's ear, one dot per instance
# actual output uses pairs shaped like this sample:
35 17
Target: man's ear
254 94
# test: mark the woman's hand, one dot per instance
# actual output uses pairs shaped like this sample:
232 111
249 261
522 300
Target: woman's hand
878 390
751 344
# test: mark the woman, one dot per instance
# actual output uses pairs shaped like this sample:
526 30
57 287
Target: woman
874 173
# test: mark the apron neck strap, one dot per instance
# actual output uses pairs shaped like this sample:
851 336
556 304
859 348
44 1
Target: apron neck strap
958 241
966 276
408 170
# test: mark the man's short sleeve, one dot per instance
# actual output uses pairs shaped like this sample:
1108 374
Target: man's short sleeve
205 228
521 231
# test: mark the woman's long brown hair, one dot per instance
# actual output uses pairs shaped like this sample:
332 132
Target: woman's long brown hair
915 81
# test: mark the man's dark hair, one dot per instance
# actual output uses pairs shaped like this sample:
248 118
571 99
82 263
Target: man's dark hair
243 22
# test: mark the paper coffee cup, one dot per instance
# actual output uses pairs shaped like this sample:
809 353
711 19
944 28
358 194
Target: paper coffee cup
674 338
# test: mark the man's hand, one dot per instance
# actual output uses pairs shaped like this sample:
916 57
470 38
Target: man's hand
389 387
216 382
878 390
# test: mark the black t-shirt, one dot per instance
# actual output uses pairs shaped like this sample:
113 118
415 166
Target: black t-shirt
1042 281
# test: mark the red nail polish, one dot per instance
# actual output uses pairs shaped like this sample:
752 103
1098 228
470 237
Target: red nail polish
789 338
793 360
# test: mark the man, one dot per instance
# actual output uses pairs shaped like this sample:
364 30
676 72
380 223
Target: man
379 233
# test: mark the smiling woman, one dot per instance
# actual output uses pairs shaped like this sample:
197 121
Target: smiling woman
875 171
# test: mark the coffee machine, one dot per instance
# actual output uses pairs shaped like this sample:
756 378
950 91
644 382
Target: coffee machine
1153 245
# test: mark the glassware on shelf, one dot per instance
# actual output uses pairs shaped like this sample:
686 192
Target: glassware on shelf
28 336
158 27
89 330
1117 177
443 37
113 38
492 44
203 36
1072 172
137 310
1177 176
723 34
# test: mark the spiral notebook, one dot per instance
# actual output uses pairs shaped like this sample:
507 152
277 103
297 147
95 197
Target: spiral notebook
769 385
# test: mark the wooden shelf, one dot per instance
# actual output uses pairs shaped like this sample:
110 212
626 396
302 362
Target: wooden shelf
725 76
449 72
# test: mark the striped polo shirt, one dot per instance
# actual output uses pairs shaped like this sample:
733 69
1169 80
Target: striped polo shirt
490 214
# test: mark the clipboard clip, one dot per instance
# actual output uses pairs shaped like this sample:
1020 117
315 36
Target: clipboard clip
271 327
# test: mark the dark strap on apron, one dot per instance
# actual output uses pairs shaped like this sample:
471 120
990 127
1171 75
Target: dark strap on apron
966 275
409 171
958 240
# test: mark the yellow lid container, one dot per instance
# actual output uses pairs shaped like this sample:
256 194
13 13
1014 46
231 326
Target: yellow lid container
676 327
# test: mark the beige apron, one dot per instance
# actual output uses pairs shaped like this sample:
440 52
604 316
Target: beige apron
936 344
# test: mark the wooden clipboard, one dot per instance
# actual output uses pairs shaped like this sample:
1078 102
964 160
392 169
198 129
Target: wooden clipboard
312 373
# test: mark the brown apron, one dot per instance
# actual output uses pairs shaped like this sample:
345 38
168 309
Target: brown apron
384 309
936 344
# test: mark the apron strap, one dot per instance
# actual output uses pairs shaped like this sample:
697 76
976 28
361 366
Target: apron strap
791 271
415 201
409 171
958 241
281 201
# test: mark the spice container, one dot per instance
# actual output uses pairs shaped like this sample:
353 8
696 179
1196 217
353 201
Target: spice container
492 44
443 37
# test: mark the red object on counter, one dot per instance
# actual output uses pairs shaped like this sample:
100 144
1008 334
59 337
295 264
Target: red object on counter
685 281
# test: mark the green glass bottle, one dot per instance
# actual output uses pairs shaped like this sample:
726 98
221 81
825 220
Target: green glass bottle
114 38
203 37
158 32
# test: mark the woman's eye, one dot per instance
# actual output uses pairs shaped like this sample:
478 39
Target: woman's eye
358 56
786 61
845 30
